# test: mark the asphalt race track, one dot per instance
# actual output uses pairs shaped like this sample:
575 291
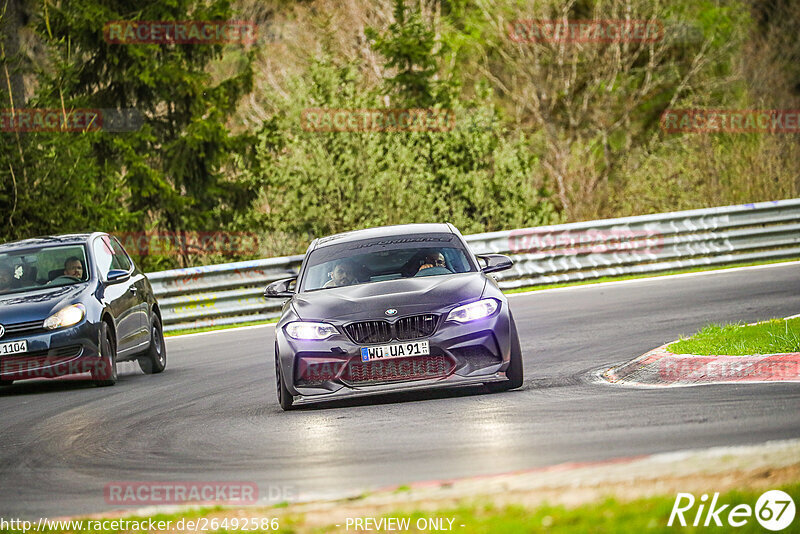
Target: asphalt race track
212 415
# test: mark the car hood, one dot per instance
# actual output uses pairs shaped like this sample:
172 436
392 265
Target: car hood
37 304
408 296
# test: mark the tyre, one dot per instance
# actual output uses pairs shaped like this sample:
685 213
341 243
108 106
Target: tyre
154 359
105 372
514 371
285 398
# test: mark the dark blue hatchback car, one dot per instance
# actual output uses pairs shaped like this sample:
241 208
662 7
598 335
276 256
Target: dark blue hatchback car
75 304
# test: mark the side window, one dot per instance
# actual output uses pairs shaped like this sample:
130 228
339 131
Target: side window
121 259
104 255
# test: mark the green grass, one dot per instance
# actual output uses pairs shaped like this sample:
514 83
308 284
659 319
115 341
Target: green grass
643 515
214 328
773 336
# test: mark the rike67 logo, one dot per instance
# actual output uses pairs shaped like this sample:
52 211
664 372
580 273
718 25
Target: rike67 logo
774 510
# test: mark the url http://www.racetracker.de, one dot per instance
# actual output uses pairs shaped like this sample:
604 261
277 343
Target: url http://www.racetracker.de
201 524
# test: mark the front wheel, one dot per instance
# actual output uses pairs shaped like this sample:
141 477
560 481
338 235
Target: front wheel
285 398
154 359
105 372
514 371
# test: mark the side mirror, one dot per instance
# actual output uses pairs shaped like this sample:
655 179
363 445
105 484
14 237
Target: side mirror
281 289
117 276
495 262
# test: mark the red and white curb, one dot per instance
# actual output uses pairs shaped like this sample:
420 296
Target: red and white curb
660 367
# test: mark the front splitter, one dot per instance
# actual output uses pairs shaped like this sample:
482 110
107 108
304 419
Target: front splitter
381 389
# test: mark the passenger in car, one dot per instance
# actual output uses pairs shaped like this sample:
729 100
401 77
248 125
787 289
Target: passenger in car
6 277
433 259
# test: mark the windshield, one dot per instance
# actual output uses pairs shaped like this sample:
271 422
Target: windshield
28 269
378 260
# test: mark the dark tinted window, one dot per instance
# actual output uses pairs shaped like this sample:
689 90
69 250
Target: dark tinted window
378 260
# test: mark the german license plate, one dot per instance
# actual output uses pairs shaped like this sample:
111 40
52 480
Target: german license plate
395 350
15 347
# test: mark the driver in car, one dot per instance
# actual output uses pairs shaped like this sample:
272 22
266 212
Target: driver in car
73 267
344 274
73 270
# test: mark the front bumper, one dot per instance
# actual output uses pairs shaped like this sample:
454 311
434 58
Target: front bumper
381 389
66 352
460 354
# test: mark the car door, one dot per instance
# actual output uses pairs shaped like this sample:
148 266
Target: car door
139 288
120 298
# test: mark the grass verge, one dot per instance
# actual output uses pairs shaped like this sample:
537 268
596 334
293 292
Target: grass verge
737 339
608 515
214 328
643 515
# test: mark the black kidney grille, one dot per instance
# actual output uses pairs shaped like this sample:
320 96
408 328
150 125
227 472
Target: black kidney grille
406 328
369 331
415 327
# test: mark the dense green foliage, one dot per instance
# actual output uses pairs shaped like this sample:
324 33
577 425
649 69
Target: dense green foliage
543 133
172 173
322 182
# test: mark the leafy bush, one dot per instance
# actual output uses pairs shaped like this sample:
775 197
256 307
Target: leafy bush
319 183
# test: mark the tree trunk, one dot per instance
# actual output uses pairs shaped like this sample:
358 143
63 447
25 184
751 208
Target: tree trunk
12 19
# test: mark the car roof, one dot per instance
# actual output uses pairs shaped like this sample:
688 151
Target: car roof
404 230
43 241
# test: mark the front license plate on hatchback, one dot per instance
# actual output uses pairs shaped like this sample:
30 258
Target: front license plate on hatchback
15 347
395 350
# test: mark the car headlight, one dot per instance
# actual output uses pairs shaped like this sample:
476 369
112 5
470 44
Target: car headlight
65 317
474 310
308 330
